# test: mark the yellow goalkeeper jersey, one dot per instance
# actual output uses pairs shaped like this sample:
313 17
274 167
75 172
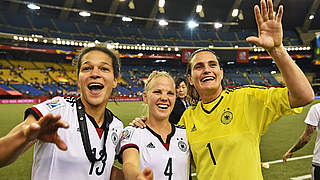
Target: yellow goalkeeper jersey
224 135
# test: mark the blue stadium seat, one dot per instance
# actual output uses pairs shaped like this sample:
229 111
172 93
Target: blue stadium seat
5 87
82 38
128 32
110 31
16 20
189 35
60 35
87 28
290 35
221 44
227 36
241 44
202 43
208 35
66 26
150 34
146 42
35 32
40 22
296 42
163 43
242 35
124 41
184 43
10 30
168 34
24 88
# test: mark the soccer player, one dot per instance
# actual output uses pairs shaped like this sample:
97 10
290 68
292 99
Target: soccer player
224 126
181 101
312 122
87 149
161 146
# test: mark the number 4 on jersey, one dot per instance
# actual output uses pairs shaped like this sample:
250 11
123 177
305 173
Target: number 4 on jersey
211 154
168 170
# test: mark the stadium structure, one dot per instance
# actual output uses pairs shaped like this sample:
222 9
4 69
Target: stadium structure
39 39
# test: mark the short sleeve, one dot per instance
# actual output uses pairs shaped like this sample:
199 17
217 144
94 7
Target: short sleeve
53 106
313 116
130 138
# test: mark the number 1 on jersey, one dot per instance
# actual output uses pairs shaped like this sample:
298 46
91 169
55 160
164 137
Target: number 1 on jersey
211 154
168 170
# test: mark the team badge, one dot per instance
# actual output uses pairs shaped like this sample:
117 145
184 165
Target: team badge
127 134
54 103
114 138
226 117
182 146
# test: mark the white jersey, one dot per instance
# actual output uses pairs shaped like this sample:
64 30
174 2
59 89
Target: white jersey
51 163
168 160
313 118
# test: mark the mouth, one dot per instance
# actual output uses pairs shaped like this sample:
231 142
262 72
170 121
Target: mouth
95 88
163 106
210 78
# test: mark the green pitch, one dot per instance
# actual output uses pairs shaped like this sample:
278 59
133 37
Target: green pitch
280 136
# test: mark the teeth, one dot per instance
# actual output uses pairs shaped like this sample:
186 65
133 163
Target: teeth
207 78
163 106
93 84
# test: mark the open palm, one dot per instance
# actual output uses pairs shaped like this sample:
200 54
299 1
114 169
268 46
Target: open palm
269 28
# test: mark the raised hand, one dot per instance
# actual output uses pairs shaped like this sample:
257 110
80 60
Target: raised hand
46 130
270 32
147 174
287 155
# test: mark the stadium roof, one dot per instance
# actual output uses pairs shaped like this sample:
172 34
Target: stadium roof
146 12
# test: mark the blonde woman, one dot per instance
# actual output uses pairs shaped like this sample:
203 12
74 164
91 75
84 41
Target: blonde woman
161 146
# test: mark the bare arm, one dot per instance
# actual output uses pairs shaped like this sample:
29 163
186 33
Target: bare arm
303 140
270 37
131 168
23 136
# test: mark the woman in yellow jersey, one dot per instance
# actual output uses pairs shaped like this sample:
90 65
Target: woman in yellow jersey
224 126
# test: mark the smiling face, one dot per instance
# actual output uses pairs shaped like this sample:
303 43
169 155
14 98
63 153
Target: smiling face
182 90
206 75
96 78
160 97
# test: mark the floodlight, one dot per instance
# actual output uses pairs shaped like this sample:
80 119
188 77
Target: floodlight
84 14
192 24
126 19
235 12
33 6
163 22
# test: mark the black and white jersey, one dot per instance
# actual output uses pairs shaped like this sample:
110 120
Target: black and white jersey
52 163
168 160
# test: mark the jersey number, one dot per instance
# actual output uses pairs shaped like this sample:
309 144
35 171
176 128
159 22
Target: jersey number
211 154
168 170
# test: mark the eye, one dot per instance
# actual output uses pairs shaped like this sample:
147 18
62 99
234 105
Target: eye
106 69
157 92
170 93
213 64
198 66
85 68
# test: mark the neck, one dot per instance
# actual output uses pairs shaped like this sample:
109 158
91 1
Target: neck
97 112
210 96
161 127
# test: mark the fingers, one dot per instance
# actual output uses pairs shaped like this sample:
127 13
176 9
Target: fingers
257 14
264 11
270 8
280 14
253 39
60 143
138 122
31 131
47 119
147 172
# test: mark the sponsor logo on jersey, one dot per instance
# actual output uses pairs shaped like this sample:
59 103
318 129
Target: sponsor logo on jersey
226 117
150 145
194 128
182 146
127 134
54 103
114 138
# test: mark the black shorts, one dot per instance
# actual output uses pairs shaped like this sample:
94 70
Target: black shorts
315 172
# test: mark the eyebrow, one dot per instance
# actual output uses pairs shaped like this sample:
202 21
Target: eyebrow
88 62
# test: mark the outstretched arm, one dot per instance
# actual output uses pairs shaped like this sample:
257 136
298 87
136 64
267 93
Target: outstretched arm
131 168
270 38
303 140
24 135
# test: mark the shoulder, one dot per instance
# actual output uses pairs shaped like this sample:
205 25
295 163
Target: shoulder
245 88
130 131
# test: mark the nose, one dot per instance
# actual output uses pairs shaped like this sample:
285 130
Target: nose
207 69
95 73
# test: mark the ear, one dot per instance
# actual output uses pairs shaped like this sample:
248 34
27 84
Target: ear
144 96
190 80
114 83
